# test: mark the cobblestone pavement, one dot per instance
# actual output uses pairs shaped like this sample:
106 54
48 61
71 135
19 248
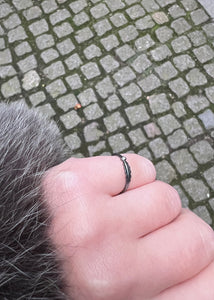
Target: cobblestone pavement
120 76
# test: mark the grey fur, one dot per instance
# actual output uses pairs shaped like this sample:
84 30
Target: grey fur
29 145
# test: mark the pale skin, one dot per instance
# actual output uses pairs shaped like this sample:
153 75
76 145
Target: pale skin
139 245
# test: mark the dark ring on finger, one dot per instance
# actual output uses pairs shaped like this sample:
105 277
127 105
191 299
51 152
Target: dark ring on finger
127 170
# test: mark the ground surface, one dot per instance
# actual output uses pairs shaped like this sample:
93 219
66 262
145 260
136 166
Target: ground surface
120 76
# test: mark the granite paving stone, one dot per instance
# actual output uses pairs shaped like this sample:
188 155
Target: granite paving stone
179 87
209 176
102 27
32 13
204 53
202 151
160 53
179 109
137 114
123 76
87 96
210 93
93 112
92 132
193 127
166 71
151 130
197 38
159 103
37 98
159 148
109 64
195 188
67 102
207 117
197 103
90 70
73 141
150 83
120 76
181 44
150 6
65 47
144 23
183 161
70 119
168 123
54 70
137 137
114 122
113 102
183 62
118 143
165 172
177 139
130 93
164 34
73 61
141 63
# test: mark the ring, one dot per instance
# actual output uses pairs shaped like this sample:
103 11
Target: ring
127 170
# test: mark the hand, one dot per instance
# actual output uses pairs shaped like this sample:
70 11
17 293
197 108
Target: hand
139 245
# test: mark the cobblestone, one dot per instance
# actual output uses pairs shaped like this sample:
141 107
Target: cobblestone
92 133
37 98
183 161
204 53
179 87
114 122
202 151
73 141
184 62
137 137
30 80
67 102
199 16
109 64
164 34
159 103
166 71
168 123
150 83
195 188
16 34
12 21
209 176
124 75
177 139
118 143
181 44
119 76
65 47
180 26
207 117
130 93
165 172
93 112
141 63
70 119
197 103
159 148
11 87
161 53
113 102
90 70
193 127
137 114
